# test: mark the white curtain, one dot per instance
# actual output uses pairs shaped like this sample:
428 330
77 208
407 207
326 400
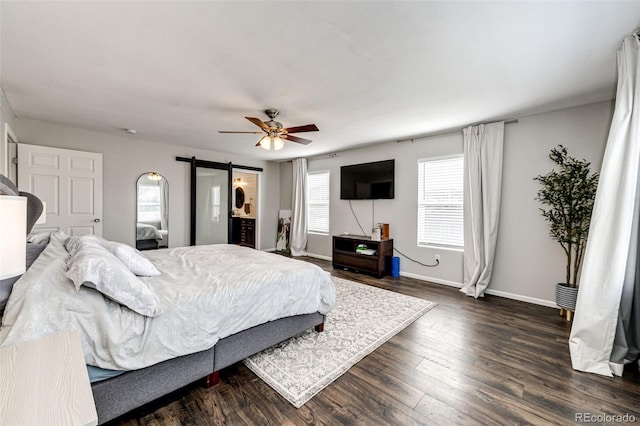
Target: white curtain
481 203
609 268
299 208
164 204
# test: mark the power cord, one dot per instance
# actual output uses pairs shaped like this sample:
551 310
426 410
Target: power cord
356 217
416 261
394 249
373 214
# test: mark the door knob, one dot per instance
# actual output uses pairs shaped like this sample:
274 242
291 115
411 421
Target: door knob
96 220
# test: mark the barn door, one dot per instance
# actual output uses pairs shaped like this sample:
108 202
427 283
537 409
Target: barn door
69 182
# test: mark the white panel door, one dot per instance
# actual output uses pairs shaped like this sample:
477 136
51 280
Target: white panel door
69 182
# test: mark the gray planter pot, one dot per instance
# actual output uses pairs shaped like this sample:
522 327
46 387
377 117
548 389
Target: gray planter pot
566 296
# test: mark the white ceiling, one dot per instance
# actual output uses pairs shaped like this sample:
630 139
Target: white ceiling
364 72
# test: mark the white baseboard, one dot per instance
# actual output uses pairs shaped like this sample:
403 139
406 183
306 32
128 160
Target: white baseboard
431 279
272 249
521 298
319 256
499 293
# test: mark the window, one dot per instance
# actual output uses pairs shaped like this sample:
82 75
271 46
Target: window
318 202
440 192
148 203
215 203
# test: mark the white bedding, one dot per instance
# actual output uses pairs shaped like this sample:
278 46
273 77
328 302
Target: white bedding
206 292
144 231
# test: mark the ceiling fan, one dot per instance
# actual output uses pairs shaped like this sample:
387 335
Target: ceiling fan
275 133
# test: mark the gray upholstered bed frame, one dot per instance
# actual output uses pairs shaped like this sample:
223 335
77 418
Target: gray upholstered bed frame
121 394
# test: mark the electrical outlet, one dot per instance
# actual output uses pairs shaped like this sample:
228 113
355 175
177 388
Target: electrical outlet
437 258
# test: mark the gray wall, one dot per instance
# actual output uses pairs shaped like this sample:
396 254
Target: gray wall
286 184
126 157
528 263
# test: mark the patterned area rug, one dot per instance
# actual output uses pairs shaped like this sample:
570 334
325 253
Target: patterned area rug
364 318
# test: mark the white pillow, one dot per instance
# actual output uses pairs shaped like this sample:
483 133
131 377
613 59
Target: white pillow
130 257
94 266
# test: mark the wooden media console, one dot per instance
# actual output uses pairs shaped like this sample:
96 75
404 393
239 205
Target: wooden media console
345 255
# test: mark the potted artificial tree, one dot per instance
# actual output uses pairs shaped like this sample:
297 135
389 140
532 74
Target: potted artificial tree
569 193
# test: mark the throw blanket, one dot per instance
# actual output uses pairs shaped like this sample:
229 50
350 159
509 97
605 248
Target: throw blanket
206 292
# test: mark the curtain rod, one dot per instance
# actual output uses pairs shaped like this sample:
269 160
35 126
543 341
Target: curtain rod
427 136
447 132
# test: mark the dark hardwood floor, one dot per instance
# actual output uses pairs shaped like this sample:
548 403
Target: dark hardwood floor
467 361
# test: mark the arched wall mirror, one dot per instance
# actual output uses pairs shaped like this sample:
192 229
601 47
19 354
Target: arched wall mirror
152 212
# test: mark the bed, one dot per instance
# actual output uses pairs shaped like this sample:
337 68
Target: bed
215 306
148 236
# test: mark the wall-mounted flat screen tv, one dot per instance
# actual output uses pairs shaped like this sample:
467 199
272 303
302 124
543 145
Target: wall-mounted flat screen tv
368 181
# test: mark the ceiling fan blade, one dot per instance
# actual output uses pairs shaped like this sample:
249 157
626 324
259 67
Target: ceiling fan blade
295 139
305 128
228 131
258 123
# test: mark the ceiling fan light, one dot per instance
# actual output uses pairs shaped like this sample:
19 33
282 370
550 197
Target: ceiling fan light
265 142
277 143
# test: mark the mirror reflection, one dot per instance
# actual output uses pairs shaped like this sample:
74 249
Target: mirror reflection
152 216
245 194
212 205
239 198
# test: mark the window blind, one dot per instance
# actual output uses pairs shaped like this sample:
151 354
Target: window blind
440 191
318 202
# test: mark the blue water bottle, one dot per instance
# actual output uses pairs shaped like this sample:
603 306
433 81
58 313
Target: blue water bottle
395 266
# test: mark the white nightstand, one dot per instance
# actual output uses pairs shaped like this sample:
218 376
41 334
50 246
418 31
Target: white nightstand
45 382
